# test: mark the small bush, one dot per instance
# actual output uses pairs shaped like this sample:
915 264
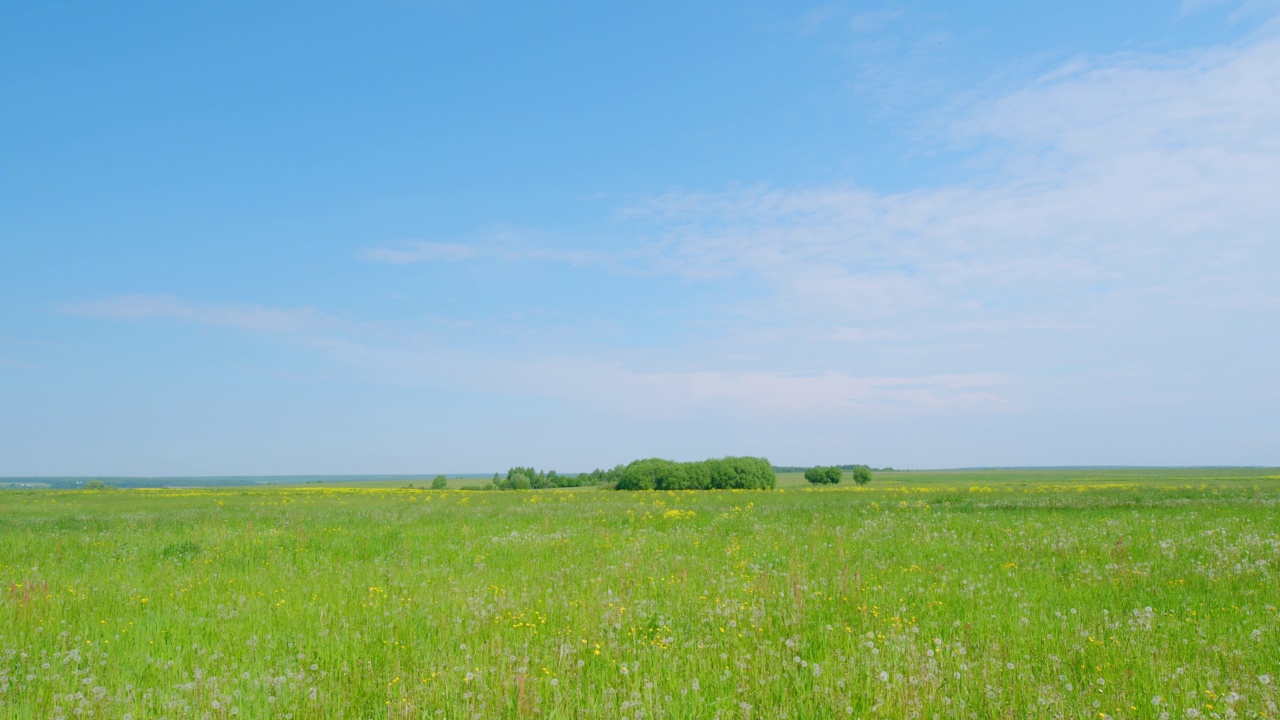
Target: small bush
829 475
439 483
97 485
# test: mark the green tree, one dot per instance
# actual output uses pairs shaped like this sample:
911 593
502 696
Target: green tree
861 474
824 475
439 483
731 473
97 485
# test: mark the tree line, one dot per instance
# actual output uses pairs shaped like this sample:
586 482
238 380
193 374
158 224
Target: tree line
528 478
729 473
846 468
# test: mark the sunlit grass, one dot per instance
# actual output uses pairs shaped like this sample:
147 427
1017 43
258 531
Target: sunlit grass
1071 595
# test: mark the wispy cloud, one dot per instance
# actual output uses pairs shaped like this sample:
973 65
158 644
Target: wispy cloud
243 317
1112 187
502 245
418 251
761 393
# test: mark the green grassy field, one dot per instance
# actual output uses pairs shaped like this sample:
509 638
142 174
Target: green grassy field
965 594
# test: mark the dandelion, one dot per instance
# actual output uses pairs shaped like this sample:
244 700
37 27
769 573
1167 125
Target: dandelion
1157 700
1264 679
884 676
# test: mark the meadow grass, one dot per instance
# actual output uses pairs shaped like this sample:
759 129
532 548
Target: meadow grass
974 594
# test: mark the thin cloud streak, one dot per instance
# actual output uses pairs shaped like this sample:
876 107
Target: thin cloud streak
167 307
426 251
595 385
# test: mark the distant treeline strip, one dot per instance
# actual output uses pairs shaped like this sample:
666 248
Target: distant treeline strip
730 473
527 478
846 468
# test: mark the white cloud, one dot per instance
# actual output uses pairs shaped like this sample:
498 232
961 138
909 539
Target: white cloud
1112 188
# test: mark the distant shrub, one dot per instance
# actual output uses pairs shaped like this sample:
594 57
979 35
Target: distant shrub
861 474
731 473
439 483
829 475
97 485
527 478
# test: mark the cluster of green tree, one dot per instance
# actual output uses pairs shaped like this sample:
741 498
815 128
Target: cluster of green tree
527 478
833 474
747 473
847 468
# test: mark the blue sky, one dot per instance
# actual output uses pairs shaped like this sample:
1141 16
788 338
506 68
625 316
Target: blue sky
452 236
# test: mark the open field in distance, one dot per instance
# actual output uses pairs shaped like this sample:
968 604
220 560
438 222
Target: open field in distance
1127 593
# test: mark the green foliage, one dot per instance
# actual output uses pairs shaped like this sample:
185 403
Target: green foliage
847 468
527 478
828 475
861 474
97 485
439 483
731 473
